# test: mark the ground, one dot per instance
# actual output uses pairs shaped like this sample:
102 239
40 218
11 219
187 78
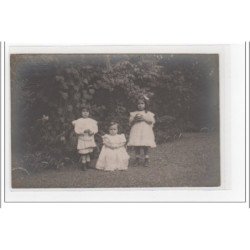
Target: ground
191 161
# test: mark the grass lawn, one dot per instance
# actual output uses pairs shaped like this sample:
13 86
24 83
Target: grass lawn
192 161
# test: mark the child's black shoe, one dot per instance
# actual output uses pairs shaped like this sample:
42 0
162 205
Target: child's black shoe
146 162
88 166
137 162
83 167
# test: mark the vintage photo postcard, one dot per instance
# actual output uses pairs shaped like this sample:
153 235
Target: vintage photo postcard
121 123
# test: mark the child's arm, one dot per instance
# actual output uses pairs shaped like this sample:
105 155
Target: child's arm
118 145
148 121
149 118
131 120
121 143
77 130
134 119
107 143
94 129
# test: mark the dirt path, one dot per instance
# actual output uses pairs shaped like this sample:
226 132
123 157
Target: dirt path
192 161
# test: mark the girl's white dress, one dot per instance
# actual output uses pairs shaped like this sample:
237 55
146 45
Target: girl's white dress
86 143
113 159
141 133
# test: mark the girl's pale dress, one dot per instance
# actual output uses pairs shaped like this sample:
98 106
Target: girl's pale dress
86 143
113 159
141 133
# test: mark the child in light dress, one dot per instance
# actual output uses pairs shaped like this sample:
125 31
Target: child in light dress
85 128
113 155
141 134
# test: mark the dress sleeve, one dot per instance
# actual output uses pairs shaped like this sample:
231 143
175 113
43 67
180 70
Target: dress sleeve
78 128
131 118
122 138
94 127
150 117
105 138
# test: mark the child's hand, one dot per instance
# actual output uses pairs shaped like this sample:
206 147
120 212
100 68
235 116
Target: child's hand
148 122
138 118
88 131
109 146
91 133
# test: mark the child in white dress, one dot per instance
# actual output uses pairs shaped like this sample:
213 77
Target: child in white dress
113 155
85 128
141 134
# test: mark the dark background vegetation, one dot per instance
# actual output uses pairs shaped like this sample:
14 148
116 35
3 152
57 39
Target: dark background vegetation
47 92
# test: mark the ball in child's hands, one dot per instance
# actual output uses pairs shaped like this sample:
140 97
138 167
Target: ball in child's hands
138 117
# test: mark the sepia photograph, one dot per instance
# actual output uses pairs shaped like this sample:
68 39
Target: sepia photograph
115 120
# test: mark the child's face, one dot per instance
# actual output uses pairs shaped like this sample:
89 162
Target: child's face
113 130
141 105
85 113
